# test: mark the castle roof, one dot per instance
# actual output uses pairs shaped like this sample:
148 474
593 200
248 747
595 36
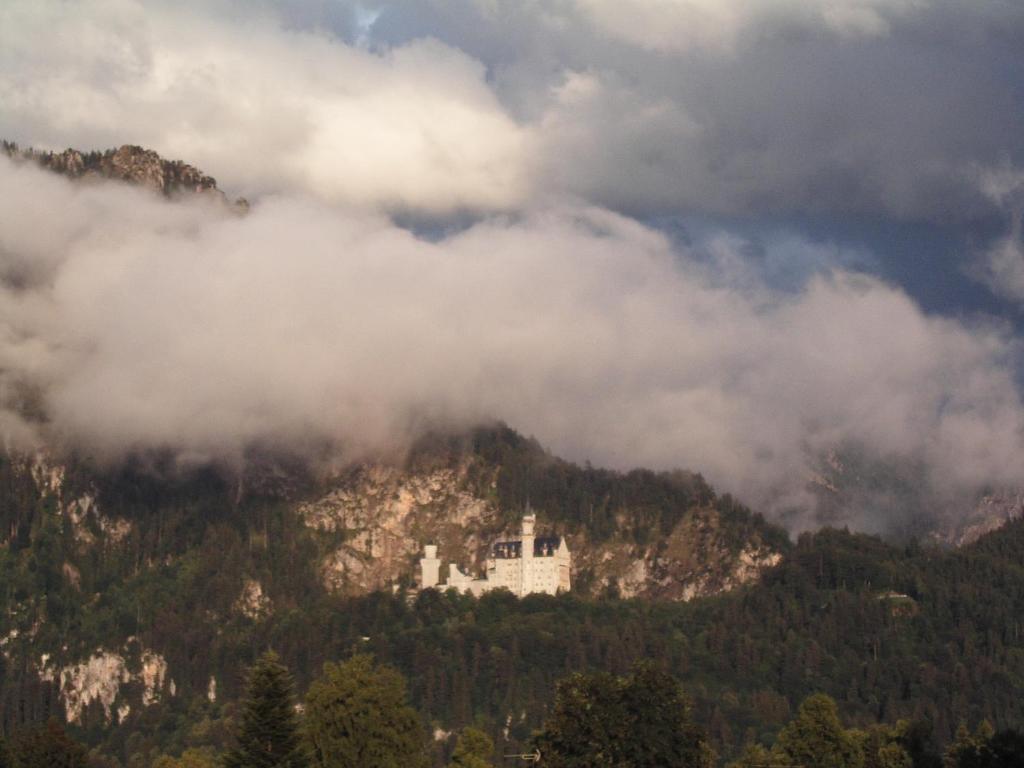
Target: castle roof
543 546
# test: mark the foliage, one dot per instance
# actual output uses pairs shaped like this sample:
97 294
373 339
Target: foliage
985 749
891 633
269 733
190 758
757 756
45 746
473 749
640 721
357 713
816 737
578 498
883 746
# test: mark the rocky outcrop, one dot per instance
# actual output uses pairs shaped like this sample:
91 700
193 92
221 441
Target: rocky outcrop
382 517
992 512
133 164
129 163
154 678
695 560
102 677
88 524
98 678
252 603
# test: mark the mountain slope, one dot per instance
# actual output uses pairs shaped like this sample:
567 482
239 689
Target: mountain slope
117 580
656 535
140 633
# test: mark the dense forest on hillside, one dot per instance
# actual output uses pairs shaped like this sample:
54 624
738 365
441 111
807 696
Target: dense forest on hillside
586 498
889 632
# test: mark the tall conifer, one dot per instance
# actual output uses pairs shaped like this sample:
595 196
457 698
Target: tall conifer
269 734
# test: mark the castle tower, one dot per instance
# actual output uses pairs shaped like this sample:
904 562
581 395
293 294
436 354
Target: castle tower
430 567
526 562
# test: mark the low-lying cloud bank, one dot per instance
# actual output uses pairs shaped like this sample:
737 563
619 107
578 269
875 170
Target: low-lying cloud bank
317 321
144 324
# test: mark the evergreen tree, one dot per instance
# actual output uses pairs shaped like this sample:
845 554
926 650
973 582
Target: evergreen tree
269 735
881 747
815 737
967 749
586 722
190 758
756 756
45 746
472 750
358 714
640 721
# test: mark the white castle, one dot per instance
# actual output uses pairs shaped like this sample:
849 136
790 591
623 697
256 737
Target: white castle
527 565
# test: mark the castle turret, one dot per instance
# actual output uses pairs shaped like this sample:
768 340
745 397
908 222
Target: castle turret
430 567
526 562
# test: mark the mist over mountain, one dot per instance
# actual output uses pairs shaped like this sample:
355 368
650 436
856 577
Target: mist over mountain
133 322
734 237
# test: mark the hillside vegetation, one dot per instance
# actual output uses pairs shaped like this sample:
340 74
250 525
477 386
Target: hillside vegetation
132 599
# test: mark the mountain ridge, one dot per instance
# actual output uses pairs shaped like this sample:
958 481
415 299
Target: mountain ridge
128 163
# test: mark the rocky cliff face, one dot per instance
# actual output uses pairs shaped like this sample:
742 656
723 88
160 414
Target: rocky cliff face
992 512
105 680
385 516
128 163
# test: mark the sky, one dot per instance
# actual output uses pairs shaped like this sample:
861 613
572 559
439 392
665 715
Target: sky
727 235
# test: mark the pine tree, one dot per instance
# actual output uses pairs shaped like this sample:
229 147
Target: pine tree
269 736
642 721
473 750
358 714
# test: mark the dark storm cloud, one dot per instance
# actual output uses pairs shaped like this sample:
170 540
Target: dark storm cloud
853 106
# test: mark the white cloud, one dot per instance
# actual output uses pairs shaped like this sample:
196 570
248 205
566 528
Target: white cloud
165 325
414 127
1001 265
